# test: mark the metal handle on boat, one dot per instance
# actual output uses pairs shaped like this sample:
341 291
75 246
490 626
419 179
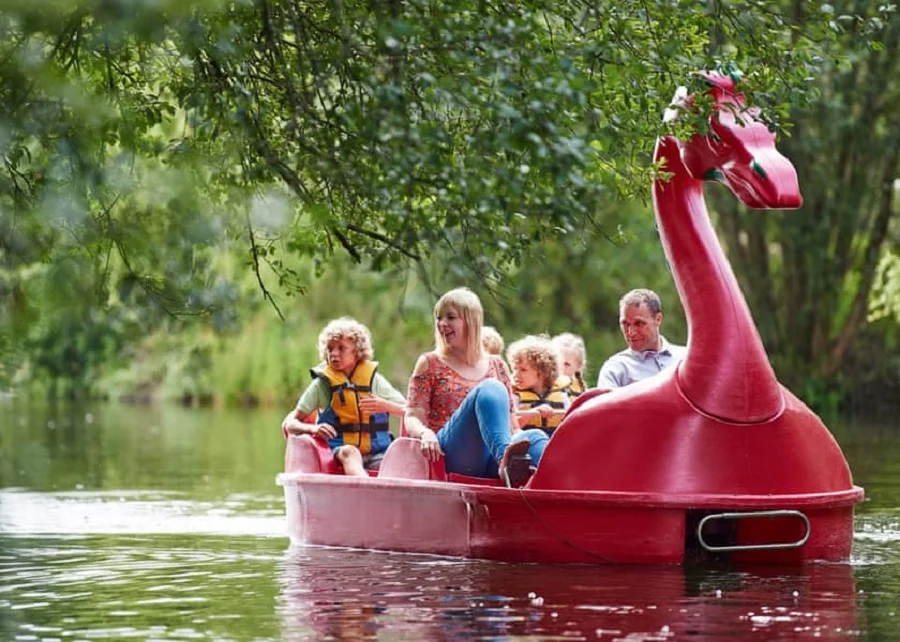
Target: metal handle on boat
751 515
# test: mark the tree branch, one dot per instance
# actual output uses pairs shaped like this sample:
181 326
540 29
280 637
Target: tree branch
254 252
347 245
384 239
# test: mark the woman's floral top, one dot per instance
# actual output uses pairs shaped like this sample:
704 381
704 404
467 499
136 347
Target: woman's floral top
440 390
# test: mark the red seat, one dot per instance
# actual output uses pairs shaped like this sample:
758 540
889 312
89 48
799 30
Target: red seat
410 462
404 460
306 454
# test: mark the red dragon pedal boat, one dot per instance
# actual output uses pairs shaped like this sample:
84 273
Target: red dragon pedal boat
713 457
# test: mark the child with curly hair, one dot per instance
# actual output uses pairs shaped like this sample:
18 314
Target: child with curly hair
348 402
540 395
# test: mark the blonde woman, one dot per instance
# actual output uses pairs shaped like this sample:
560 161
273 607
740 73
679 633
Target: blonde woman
460 402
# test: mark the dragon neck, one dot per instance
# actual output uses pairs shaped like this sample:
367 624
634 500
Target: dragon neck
726 372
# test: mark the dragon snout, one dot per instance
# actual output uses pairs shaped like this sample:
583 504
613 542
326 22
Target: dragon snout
779 186
767 181
788 201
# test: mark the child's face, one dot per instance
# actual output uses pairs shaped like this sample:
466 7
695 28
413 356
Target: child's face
571 363
342 355
525 375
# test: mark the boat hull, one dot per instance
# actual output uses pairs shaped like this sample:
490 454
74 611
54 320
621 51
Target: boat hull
478 519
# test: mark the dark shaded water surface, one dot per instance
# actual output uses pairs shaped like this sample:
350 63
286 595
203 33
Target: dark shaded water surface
124 523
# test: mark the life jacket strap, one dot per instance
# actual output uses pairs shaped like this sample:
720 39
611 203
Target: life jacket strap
370 427
348 385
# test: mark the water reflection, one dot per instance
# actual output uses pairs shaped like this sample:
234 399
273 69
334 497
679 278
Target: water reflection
207 453
139 512
162 523
340 594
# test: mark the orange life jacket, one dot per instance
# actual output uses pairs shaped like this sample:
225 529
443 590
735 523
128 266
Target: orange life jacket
556 398
354 426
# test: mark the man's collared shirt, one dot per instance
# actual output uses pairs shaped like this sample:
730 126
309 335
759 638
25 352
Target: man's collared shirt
628 366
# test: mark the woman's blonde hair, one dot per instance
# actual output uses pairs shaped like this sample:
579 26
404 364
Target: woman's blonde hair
491 340
347 328
569 341
539 351
468 305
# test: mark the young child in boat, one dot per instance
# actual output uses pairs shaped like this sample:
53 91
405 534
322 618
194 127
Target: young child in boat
541 400
491 340
572 362
352 399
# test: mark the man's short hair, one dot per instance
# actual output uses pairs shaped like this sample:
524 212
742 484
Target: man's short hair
642 296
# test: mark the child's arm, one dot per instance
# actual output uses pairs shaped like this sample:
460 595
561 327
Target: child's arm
524 416
302 419
384 398
373 403
546 411
520 415
299 423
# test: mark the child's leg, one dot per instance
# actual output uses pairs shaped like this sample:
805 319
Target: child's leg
475 437
351 459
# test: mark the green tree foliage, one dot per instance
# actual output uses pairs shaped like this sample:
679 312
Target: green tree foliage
812 272
574 285
886 300
100 229
475 127
141 139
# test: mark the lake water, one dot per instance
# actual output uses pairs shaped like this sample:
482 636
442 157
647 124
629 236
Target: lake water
146 523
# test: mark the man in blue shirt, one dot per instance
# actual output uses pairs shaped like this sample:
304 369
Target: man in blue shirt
648 353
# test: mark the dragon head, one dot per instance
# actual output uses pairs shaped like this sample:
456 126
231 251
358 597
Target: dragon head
737 150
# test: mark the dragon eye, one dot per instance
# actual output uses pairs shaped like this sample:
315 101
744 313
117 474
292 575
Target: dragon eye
756 167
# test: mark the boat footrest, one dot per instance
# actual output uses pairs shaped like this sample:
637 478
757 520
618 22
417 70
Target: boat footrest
789 529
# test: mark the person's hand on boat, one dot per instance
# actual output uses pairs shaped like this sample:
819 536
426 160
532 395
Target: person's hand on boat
324 431
430 446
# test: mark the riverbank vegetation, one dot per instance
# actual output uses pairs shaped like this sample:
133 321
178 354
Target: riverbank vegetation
189 191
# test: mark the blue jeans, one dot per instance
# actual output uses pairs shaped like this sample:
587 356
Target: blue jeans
475 437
